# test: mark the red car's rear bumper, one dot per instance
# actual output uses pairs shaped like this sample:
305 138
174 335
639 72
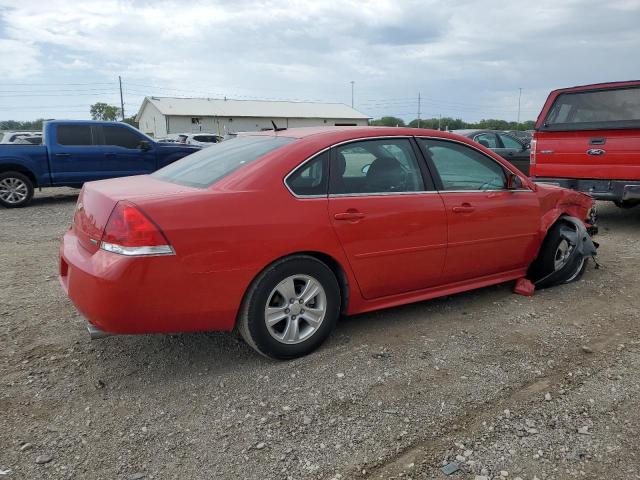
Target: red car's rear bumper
131 295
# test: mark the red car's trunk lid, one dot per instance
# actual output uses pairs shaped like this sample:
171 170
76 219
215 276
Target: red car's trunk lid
97 200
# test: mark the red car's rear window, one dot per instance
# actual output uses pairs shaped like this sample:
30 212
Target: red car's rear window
204 168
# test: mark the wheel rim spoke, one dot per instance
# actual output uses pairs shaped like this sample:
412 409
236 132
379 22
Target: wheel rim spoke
311 289
275 315
287 288
313 316
292 331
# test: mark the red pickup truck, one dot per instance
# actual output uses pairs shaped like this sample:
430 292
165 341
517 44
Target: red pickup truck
588 139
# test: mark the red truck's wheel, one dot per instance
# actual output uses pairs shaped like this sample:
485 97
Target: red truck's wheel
16 189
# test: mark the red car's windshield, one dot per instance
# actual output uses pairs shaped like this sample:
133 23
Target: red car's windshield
207 166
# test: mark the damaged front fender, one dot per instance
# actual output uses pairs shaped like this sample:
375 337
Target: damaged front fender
575 233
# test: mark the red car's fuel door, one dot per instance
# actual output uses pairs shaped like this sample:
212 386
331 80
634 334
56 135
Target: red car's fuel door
491 229
388 219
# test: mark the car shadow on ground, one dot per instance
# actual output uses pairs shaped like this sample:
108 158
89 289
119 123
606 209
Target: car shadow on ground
54 199
611 217
175 357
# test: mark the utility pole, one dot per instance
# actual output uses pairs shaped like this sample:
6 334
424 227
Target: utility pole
352 83
121 98
419 102
519 98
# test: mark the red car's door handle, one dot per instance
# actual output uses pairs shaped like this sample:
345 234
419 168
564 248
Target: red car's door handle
464 208
350 215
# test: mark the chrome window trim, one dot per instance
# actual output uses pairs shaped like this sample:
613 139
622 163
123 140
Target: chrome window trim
422 192
485 155
382 194
300 166
359 139
485 191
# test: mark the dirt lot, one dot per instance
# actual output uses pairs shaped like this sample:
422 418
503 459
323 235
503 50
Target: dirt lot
394 394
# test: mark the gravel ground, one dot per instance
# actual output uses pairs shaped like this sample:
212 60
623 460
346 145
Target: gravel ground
498 384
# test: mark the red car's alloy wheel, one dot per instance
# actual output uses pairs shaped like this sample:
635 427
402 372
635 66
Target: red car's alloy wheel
295 309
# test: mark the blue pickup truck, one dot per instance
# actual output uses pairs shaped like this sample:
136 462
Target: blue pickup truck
78 151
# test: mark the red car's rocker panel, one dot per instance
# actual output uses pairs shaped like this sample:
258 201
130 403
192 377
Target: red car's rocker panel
200 245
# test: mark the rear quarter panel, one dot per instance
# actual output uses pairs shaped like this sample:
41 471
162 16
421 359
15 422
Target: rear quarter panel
224 240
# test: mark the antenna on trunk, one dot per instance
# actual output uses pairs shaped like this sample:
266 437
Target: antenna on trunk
275 127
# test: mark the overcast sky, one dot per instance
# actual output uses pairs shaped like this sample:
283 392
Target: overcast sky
466 58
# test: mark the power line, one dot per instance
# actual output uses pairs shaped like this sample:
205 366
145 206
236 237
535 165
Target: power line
63 84
40 107
58 94
82 90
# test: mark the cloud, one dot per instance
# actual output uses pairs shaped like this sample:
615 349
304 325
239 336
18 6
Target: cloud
466 58
19 59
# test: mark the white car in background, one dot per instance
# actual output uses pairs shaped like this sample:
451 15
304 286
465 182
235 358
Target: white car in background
199 139
11 137
28 140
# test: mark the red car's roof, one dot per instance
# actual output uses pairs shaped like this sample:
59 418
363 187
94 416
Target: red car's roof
355 131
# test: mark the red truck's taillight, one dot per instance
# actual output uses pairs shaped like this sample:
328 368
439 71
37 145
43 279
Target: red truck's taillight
131 232
532 154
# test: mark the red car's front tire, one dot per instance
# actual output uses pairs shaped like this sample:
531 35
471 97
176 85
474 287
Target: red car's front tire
556 265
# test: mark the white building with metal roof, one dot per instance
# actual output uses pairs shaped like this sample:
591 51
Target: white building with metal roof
162 116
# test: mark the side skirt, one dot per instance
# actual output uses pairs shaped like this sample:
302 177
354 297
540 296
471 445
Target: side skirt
434 292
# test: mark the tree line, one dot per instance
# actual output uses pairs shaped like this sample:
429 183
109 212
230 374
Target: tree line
98 111
448 123
104 111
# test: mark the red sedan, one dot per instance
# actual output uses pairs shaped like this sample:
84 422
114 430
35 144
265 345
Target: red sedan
277 234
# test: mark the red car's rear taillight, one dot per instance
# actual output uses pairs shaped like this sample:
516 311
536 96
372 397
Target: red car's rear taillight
131 232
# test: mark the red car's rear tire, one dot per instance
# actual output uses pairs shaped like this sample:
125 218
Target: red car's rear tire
290 308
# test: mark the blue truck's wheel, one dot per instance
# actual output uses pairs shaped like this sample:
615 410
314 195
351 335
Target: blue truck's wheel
16 189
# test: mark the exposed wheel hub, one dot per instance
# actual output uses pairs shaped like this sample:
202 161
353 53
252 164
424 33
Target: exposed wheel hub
563 252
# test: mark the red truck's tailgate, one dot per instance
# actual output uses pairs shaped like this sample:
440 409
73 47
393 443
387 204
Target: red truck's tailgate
595 154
